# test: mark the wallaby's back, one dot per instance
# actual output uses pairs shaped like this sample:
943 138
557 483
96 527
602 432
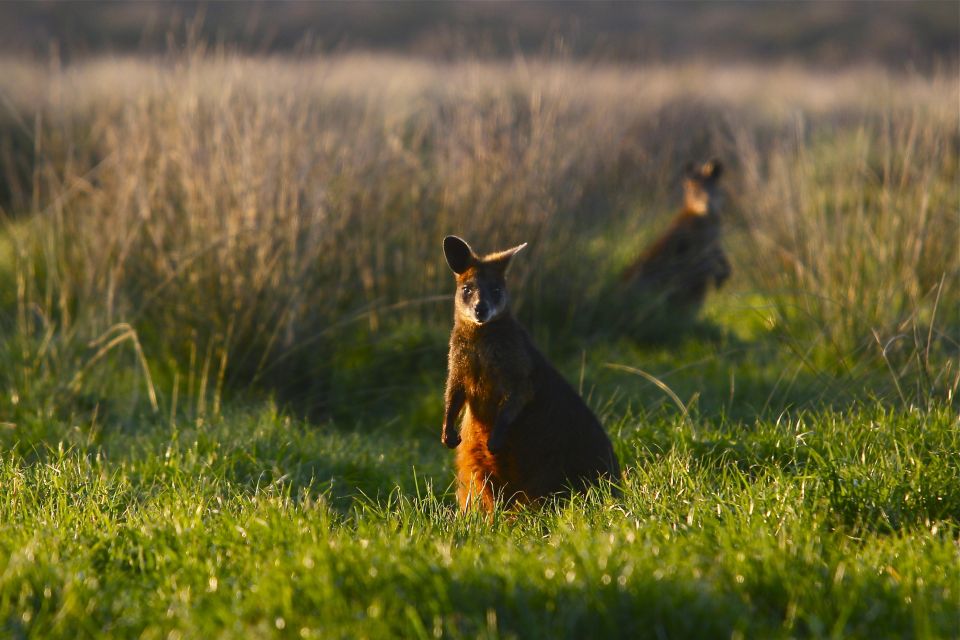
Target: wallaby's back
677 269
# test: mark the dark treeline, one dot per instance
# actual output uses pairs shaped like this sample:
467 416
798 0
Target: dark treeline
910 35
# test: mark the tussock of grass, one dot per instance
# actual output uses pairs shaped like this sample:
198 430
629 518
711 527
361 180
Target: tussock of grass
247 216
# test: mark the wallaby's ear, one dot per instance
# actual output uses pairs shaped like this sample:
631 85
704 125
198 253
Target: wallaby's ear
502 258
458 253
712 169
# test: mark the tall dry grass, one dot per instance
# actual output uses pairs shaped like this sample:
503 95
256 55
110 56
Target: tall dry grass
247 216
856 235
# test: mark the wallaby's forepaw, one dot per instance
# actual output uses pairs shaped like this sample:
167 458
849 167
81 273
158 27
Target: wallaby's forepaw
450 438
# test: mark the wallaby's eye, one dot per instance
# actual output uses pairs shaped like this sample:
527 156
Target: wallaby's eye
467 290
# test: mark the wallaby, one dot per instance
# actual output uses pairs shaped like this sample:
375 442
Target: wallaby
678 268
526 434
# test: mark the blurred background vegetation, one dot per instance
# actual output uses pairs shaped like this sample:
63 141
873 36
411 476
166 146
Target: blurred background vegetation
247 198
903 35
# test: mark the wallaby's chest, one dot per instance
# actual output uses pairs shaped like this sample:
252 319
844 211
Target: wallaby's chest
686 245
490 366
697 232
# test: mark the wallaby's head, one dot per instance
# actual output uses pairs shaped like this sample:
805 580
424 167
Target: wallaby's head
481 282
701 193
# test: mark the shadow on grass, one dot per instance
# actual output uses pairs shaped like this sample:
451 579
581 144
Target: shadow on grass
640 602
643 607
868 469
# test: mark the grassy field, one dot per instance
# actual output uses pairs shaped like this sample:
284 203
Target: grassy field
223 323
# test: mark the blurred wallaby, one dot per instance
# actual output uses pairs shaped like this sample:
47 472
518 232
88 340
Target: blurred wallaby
526 434
677 269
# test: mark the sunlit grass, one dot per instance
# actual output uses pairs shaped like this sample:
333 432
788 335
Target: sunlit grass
834 524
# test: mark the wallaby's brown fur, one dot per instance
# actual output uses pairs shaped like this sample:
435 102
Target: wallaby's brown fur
526 434
679 266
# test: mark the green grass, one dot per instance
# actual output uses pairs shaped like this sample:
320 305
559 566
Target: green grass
783 503
766 511
825 524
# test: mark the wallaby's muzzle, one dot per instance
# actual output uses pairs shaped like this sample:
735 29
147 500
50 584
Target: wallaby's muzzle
482 312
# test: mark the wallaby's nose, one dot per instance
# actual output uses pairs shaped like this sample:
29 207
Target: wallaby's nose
481 311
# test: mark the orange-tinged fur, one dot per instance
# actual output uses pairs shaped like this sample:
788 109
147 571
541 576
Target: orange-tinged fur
680 265
526 434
